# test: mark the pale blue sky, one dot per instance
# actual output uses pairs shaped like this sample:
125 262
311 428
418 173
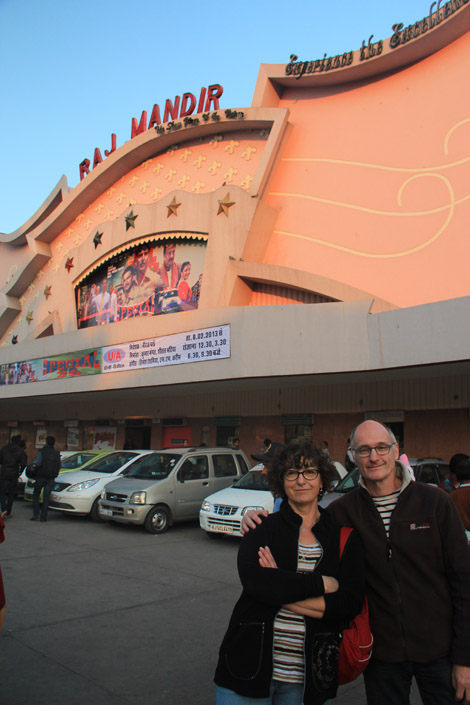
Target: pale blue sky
74 72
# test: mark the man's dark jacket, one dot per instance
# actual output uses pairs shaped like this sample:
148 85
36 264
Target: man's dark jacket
13 460
418 580
50 465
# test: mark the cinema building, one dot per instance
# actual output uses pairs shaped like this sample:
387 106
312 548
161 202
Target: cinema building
287 269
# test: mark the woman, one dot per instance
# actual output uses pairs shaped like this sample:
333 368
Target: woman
281 646
184 290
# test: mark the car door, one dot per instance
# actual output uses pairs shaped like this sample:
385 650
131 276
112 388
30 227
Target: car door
225 470
193 485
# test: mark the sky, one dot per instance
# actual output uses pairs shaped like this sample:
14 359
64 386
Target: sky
73 72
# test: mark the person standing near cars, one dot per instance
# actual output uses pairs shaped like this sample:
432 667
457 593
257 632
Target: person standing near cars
461 496
281 645
2 591
417 576
417 564
48 462
13 460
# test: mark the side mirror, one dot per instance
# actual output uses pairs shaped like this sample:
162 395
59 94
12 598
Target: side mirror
180 476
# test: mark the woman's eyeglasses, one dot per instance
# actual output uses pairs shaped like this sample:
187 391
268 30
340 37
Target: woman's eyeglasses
308 474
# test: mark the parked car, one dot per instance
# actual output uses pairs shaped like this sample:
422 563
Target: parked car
71 461
223 511
78 491
170 485
433 471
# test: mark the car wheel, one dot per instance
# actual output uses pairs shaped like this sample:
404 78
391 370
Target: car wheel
95 514
157 520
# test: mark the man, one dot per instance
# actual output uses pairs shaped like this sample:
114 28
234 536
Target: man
12 460
144 276
48 462
461 496
132 292
113 304
325 450
417 576
102 303
169 274
267 457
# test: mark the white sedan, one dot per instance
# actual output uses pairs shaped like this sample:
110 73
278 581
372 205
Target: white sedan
222 512
77 492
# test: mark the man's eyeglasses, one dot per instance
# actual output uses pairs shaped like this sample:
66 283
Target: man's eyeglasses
381 449
308 474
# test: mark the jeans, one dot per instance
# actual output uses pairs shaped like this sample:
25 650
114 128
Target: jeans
390 683
281 694
7 493
47 483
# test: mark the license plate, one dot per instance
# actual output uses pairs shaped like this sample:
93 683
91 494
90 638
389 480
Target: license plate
106 512
222 527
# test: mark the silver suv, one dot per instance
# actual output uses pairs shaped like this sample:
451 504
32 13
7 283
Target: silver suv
170 485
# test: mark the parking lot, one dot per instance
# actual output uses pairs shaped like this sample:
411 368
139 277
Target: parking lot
109 614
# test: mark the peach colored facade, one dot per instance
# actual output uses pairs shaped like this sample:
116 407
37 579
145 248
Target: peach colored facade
332 220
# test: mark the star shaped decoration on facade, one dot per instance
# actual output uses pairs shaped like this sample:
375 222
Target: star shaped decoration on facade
29 317
225 204
97 239
173 207
47 291
14 340
130 220
69 264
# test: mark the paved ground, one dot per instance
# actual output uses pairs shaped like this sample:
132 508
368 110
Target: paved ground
109 615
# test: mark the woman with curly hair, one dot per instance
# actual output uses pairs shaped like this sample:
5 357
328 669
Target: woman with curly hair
282 643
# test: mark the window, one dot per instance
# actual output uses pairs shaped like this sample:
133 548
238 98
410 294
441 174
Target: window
195 468
242 464
297 432
224 465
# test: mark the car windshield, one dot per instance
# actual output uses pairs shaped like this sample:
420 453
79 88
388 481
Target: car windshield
155 466
110 463
254 480
348 483
75 460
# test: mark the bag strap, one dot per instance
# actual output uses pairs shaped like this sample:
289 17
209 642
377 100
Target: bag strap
345 533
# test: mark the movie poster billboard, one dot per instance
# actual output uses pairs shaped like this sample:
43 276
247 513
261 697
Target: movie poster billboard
84 362
146 279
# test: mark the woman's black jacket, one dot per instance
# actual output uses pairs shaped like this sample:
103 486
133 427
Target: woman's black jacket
246 654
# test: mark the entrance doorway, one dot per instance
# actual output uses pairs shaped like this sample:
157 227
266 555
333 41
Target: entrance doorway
137 437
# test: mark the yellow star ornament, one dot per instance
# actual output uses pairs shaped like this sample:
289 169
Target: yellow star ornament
173 207
225 204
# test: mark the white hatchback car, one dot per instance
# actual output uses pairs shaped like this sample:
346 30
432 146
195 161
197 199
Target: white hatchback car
77 492
222 512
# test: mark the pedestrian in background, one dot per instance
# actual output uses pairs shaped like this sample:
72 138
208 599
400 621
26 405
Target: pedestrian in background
2 591
13 460
461 496
48 462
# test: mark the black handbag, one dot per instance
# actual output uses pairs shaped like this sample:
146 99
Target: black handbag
31 471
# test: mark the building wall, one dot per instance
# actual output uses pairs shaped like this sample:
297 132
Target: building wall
335 215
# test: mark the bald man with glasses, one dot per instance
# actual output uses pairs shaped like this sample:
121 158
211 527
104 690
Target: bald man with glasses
417 576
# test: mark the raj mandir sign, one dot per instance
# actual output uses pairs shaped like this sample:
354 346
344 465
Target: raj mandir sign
181 107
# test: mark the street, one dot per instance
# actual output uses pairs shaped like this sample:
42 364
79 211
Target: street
109 614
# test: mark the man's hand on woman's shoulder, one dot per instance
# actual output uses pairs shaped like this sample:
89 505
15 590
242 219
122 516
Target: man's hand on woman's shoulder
252 519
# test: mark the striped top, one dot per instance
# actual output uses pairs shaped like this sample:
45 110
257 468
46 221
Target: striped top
385 506
289 628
